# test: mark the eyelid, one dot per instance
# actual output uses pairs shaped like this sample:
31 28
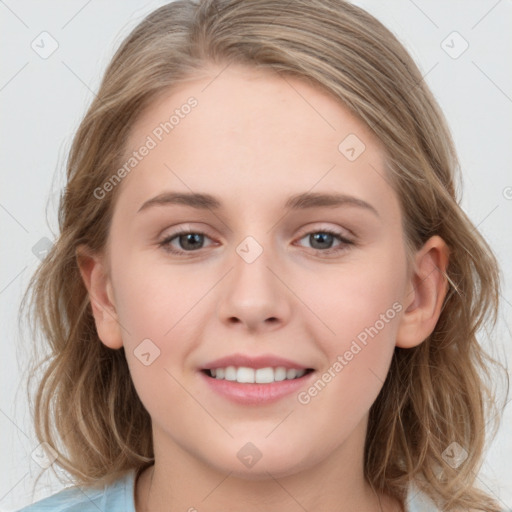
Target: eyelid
186 230
182 229
346 233
345 243
164 241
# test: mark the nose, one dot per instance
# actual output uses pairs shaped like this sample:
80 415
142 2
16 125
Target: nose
255 296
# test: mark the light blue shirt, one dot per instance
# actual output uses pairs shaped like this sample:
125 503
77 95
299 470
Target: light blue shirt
119 497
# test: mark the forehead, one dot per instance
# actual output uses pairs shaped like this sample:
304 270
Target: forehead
251 131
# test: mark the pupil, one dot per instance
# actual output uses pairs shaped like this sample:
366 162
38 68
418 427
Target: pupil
321 238
190 237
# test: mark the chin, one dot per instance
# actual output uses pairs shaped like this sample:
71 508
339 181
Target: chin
265 464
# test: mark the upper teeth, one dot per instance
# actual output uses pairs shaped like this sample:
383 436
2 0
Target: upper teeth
259 376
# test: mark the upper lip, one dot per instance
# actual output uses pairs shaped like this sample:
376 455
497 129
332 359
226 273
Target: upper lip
262 361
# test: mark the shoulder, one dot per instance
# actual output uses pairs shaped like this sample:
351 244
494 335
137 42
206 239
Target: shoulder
117 497
71 499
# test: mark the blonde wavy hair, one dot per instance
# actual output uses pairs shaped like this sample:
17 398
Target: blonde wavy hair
86 406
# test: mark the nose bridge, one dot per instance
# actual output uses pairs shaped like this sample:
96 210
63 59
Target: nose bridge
254 258
253 294
255 249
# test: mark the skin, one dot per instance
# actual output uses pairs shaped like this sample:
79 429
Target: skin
255 139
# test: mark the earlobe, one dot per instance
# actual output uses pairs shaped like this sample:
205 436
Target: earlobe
423 301
99 287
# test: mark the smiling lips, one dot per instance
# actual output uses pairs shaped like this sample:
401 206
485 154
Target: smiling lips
254 380
262 369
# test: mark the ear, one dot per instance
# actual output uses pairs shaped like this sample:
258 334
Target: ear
428 286
99 287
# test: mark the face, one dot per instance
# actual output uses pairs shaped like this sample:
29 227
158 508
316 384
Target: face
256 273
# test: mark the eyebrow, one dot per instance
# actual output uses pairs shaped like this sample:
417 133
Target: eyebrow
296 202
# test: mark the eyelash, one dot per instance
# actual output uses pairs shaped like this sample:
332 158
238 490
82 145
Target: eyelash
165 243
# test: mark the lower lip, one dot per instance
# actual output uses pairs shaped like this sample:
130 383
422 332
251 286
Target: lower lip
256 394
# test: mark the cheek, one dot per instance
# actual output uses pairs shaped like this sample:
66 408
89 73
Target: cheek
155 305
359 316
357 309
153 301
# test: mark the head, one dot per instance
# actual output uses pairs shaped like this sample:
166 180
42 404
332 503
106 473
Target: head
261 116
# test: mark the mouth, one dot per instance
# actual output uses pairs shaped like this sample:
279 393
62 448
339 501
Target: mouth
247 375
243 385
250 379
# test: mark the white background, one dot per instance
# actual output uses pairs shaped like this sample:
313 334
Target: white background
43 100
